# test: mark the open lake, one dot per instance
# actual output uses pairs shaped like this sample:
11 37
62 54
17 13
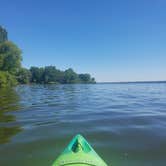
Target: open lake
125 123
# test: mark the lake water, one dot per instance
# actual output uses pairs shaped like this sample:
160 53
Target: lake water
125 123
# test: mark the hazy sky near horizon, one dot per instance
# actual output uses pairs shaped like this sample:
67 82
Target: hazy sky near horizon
114 40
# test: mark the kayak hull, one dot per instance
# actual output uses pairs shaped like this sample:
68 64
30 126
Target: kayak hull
79 153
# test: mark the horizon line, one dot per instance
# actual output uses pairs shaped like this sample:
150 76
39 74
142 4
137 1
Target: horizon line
114 82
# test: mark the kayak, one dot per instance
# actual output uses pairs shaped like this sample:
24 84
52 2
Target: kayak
79 153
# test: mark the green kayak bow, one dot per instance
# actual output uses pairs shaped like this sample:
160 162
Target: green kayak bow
79 153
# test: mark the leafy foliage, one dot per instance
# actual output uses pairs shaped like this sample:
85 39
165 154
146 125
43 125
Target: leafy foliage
86 78
12 73
6 79
70 76
50 74
37 74
10 63
10 57
23 76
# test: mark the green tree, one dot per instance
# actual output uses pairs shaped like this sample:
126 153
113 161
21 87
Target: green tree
6 79
11 71
70 76
49 74
37 74
23 76
53 75
86 78
10 57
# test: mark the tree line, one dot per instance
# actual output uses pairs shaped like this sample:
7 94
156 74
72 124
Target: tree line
51 75
12 72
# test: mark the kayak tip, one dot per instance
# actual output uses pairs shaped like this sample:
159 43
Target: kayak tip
79 153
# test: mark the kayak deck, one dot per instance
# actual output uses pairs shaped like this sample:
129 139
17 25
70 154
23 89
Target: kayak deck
79 153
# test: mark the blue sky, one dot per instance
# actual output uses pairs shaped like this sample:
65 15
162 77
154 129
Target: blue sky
114 40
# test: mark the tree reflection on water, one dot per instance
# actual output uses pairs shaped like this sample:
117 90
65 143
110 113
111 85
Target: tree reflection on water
9 101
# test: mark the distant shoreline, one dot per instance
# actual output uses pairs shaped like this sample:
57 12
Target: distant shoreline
130 82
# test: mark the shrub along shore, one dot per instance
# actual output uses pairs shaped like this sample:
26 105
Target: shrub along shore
12 73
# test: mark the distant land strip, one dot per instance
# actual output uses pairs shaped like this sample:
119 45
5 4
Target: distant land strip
130 82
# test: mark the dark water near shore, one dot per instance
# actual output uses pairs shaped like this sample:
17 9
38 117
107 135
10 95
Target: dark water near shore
125 123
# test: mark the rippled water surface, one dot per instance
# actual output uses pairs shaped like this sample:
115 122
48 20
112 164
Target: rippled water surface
125 123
